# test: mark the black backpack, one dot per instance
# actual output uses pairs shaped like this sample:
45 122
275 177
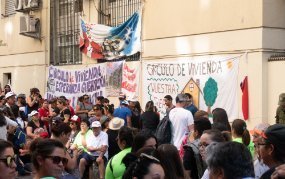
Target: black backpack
163 131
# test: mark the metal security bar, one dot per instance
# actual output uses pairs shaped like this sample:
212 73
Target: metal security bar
64 32
116 12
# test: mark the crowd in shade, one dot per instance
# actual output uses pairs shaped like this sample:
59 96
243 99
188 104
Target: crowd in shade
41 138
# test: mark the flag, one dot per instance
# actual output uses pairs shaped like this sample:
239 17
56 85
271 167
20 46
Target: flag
244 89
103 42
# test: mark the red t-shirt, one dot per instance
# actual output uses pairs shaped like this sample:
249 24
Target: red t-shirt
44 113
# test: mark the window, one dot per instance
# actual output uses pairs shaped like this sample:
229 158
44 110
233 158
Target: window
7 8
64 29
116 12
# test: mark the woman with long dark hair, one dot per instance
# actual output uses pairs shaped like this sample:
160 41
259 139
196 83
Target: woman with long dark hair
149 119
241 135
170 161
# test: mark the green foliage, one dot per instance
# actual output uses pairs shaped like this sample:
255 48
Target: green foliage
210 92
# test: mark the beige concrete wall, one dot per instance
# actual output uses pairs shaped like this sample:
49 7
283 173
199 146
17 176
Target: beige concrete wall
198 16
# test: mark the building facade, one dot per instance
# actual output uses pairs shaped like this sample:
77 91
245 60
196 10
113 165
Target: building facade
188 28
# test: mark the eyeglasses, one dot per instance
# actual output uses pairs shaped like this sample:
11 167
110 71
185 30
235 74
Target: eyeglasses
203 145
9 160
260 144
56 159
86 98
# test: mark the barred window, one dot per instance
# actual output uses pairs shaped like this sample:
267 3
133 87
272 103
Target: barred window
7 8
64 32
116 12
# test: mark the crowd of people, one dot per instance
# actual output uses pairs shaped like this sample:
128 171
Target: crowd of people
44 138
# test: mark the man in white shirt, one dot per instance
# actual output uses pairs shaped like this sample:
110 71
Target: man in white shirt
181 120
97 146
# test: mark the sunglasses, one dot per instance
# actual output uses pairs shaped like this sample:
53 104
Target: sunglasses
56 160
72 123
9 160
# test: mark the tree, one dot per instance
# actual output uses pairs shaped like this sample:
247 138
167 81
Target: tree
210 93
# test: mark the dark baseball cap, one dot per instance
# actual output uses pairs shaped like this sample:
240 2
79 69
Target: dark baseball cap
275 135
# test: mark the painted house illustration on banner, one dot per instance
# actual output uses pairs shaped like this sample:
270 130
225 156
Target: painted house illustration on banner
193 88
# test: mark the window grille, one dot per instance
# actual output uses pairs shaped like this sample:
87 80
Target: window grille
7 8
64 32
116 12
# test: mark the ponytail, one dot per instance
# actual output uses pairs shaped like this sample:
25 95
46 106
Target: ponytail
239 128
245 137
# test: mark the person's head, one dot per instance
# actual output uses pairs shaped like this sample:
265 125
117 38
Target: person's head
145 166
61 132
167 100
21 98
84 125
200 125
272 146
144 139
138 107
106 101
34 92
149 106
220 116
34 115
96 127
125 137
48 157
170 161
98 110
181 100
125 103
122 96
257 132
7 88
281 101
10 98
74 123
208 137
45 104
132 105
2 100
53 102
99 100
109 110
229 160
116 123
201 113
7 160
85 98
239 129
190 98
61 103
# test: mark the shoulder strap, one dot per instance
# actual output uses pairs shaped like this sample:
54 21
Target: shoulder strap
111 167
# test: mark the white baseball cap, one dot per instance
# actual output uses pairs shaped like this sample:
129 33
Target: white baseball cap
95 124
9 94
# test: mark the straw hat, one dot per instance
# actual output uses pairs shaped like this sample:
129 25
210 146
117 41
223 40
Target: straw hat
116 123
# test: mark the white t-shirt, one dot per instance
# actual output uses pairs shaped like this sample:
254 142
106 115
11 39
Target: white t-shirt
180 119
98 141
3 129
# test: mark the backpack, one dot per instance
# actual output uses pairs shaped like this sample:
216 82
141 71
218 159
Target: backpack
19 138
163 132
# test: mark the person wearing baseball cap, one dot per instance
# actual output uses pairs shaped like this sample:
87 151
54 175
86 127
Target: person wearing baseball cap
272 148
10 102
97 147
34 125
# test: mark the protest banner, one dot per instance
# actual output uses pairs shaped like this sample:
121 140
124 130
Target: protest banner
114 78
130 82
75 83
212 81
